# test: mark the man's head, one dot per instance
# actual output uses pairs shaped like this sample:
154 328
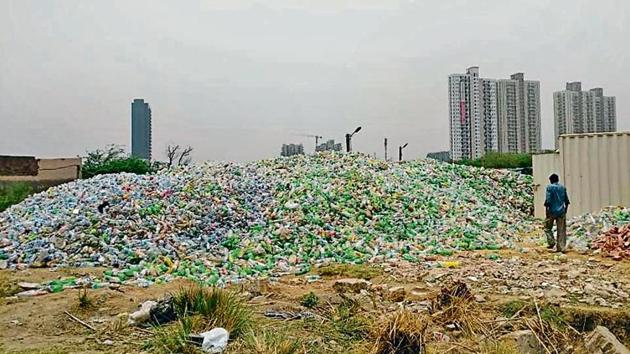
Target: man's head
554 178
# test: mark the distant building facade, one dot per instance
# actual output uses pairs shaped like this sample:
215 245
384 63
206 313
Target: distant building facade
330 145
140 129
443 156
577 111
292 149
493 115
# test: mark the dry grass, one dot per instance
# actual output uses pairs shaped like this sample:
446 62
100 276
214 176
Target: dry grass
402 333
8 286
456 307
361 271
271 342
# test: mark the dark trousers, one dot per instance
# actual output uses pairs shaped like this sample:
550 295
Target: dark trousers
561 228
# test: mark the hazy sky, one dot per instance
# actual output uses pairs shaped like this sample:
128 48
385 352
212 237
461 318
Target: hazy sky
235 79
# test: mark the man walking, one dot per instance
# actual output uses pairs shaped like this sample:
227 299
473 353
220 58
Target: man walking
556 206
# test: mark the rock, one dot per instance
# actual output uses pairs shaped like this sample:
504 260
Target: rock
108 342
601 341
143 315
480 298
526 342
215 341
29 286
351 285
4 264
396 294
419 294
31 293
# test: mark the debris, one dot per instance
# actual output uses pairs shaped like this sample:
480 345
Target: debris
163 311
583 229
74 318
352 285
601 341
288 315
31 293
614 243
215 340
457 290
143 314
396 294
29 286
525 341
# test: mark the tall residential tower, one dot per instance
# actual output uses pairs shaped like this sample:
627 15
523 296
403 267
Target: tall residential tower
493 115
140 129
577 111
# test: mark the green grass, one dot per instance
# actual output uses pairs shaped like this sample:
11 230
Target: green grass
309 300
219 308
271 342
174 338
13 193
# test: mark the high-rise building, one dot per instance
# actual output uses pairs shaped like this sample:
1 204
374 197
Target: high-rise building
140 129
465 114
292 149
493 115
519 114
577 111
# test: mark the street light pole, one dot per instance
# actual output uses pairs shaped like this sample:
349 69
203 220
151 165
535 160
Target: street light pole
349 138
400 149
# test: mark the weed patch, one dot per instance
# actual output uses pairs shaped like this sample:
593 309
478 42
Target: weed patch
219 308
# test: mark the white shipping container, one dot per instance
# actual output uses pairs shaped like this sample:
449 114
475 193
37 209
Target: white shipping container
595 168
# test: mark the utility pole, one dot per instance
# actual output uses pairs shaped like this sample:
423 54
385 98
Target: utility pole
349 138
385 149
400 149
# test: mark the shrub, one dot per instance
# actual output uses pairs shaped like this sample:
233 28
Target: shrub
500 160
113 160
309 300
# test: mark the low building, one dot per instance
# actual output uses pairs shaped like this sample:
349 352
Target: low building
46 172
440 156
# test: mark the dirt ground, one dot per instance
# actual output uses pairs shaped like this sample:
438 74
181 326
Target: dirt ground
596 287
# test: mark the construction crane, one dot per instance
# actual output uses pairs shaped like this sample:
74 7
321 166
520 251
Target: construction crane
317 137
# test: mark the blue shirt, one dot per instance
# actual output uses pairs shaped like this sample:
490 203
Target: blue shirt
556 199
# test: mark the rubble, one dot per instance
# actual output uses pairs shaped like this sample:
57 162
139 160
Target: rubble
614 243
602 341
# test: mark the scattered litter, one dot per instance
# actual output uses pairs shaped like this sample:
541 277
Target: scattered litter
288 315
143 315
215 341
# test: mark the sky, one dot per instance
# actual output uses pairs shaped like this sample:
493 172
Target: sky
235 79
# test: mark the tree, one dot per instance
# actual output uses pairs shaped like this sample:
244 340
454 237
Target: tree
177 153
113 159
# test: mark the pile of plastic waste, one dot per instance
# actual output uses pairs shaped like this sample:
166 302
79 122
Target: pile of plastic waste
222 222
